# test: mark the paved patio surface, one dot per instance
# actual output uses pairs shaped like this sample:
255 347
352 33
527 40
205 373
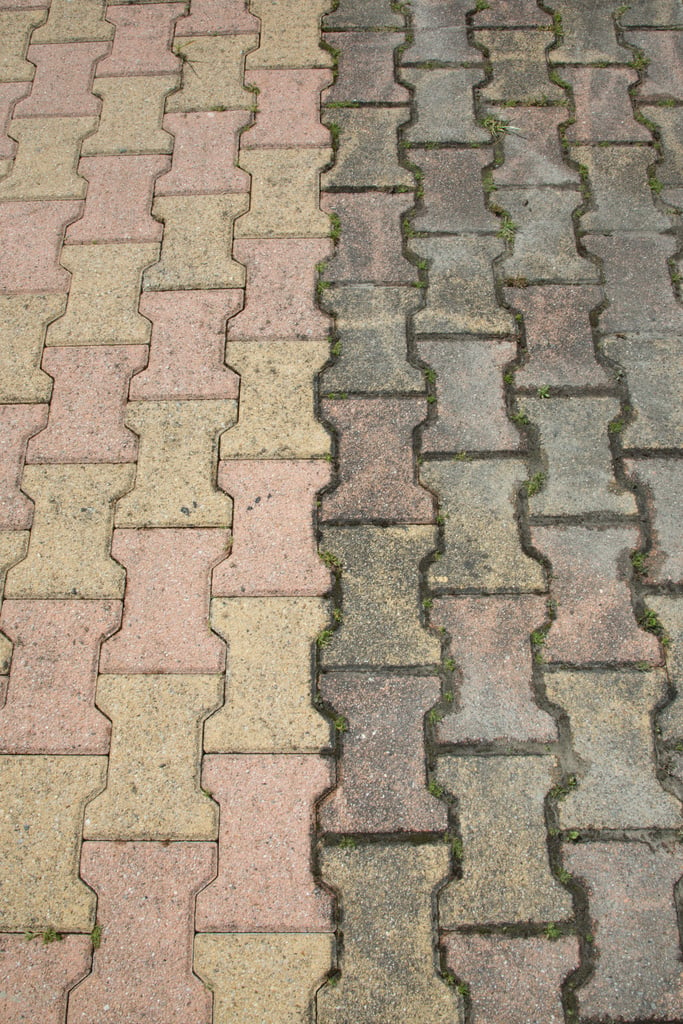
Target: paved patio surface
340 475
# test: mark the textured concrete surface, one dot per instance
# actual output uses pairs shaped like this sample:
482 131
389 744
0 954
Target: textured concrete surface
341 624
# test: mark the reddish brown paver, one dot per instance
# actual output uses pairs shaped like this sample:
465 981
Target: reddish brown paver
340 645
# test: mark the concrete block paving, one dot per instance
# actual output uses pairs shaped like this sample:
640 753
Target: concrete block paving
341 632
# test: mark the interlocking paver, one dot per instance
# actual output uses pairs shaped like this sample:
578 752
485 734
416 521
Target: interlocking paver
595 620
10 93
104 295
544 242
505 870
655 381
453 197
483 550
639 301
119 199
369 248
511 981
662 478
264 878
381 783
132 112
142 39
439 32
289 34
69 22
367 148
281 289
381 615
470 400
145 892
47 971
275 553
204 153
62 82
588 35
652 13
276 411
387 966
363 14
18 423
288 109
15 32
520 72
513 13
574 438
559 342
40 839
267 705
284 194
365 68
50 706
258 977
630 890
88 405
154 760
664 72
371 324
531 144
47 154
630 206
603 111
610 721
668 121
176 465
213 69
13 546
670 612
68 555
187 348
375 477
30 236
165 623
195 252
443 97
495 696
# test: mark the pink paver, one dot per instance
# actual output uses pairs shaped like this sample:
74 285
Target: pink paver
382 782
142 41
217 17
31 236
289 108
453 196
559 337
10 92
18 423
37 977
603 106
376 473
88 404
274 551
513 12
143 969
638 974
118 206
166 613
513 981
50 705
63 80
365 68
595 620
533 154
664 77
490 644
370 245
264 882
280 299
204 153
186 358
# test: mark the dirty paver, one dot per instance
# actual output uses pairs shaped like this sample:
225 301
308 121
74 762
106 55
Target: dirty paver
340 560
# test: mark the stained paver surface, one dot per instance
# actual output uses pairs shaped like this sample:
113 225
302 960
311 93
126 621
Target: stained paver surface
341 607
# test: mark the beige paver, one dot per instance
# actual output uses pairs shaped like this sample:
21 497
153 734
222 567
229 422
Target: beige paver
41 818
177 465
153 789
269 977
104 295
284 194
15 31
276 415
289 34
196 250
213 73
68 554
69 21
46 159
132 112
268 691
